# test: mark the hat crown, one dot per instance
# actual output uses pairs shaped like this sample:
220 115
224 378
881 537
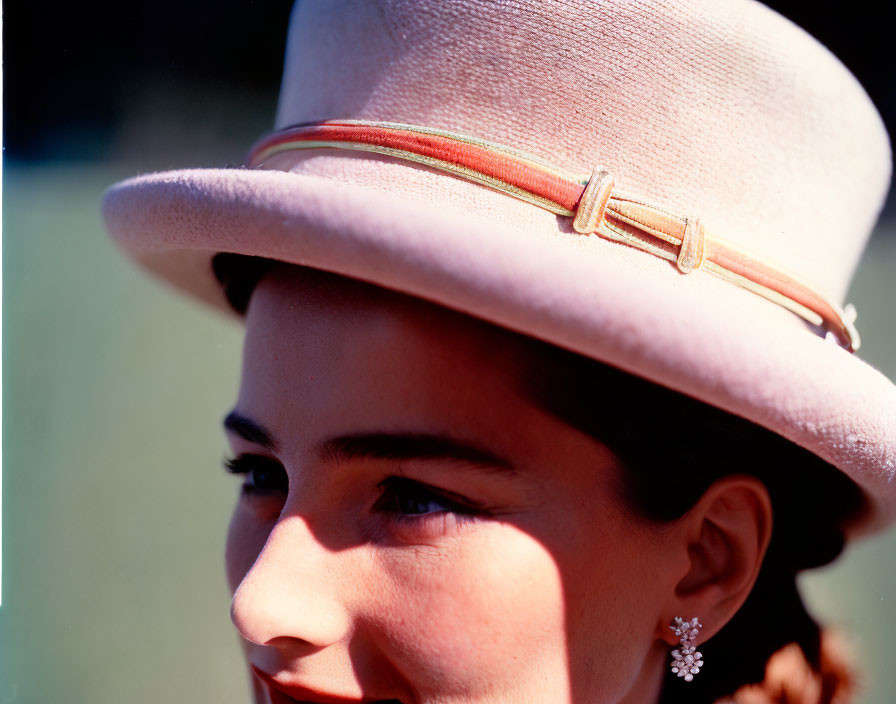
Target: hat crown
720 111
717 109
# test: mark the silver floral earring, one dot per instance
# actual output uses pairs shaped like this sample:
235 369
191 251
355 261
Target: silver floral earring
686 662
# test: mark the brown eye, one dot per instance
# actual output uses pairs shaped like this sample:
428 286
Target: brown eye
263 475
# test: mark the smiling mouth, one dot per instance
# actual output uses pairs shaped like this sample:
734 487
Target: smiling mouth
292 694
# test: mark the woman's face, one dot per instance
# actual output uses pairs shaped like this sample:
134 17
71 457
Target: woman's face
412 527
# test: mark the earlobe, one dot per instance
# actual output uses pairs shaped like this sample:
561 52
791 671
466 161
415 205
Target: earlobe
726 534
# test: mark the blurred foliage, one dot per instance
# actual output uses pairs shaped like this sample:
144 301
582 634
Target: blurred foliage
115 505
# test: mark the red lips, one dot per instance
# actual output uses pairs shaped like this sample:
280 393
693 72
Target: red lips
303 695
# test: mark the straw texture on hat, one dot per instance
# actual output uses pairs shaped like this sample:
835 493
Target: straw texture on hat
718 109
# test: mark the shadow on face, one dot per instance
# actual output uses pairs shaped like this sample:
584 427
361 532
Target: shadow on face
412 526
491 547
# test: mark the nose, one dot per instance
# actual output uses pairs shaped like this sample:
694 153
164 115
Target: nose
290 591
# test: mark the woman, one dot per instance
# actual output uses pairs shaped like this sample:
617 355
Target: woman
509 432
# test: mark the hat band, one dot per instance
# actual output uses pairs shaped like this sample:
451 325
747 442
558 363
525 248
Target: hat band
592 202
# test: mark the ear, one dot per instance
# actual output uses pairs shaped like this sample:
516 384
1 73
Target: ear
723 540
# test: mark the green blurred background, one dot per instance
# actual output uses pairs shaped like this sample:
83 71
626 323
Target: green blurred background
114 501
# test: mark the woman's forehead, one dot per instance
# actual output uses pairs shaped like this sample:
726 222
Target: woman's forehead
299 301
361 338
329 355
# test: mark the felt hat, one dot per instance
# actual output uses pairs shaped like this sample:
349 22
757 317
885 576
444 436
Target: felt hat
681 189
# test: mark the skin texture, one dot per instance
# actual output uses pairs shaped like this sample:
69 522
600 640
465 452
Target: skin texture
462 580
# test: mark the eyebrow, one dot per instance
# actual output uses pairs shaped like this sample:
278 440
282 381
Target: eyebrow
408 446
380 446
249 430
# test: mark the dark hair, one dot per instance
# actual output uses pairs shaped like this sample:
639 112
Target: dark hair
692 444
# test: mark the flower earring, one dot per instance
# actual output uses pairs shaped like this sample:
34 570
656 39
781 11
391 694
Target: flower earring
685 661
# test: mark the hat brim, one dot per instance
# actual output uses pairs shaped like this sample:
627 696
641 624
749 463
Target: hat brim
693 333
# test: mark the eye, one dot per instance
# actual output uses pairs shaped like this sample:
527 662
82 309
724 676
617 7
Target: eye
263 474
407 497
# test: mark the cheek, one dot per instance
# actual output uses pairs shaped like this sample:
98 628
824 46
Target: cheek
480 614
246 537
498 615
616 590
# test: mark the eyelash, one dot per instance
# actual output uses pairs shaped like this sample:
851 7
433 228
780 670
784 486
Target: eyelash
397 495
249 464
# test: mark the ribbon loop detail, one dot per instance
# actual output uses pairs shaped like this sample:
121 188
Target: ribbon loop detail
588 201
693 248
593 203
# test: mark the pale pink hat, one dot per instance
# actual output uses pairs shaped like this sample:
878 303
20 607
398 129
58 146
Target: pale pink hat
738 170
